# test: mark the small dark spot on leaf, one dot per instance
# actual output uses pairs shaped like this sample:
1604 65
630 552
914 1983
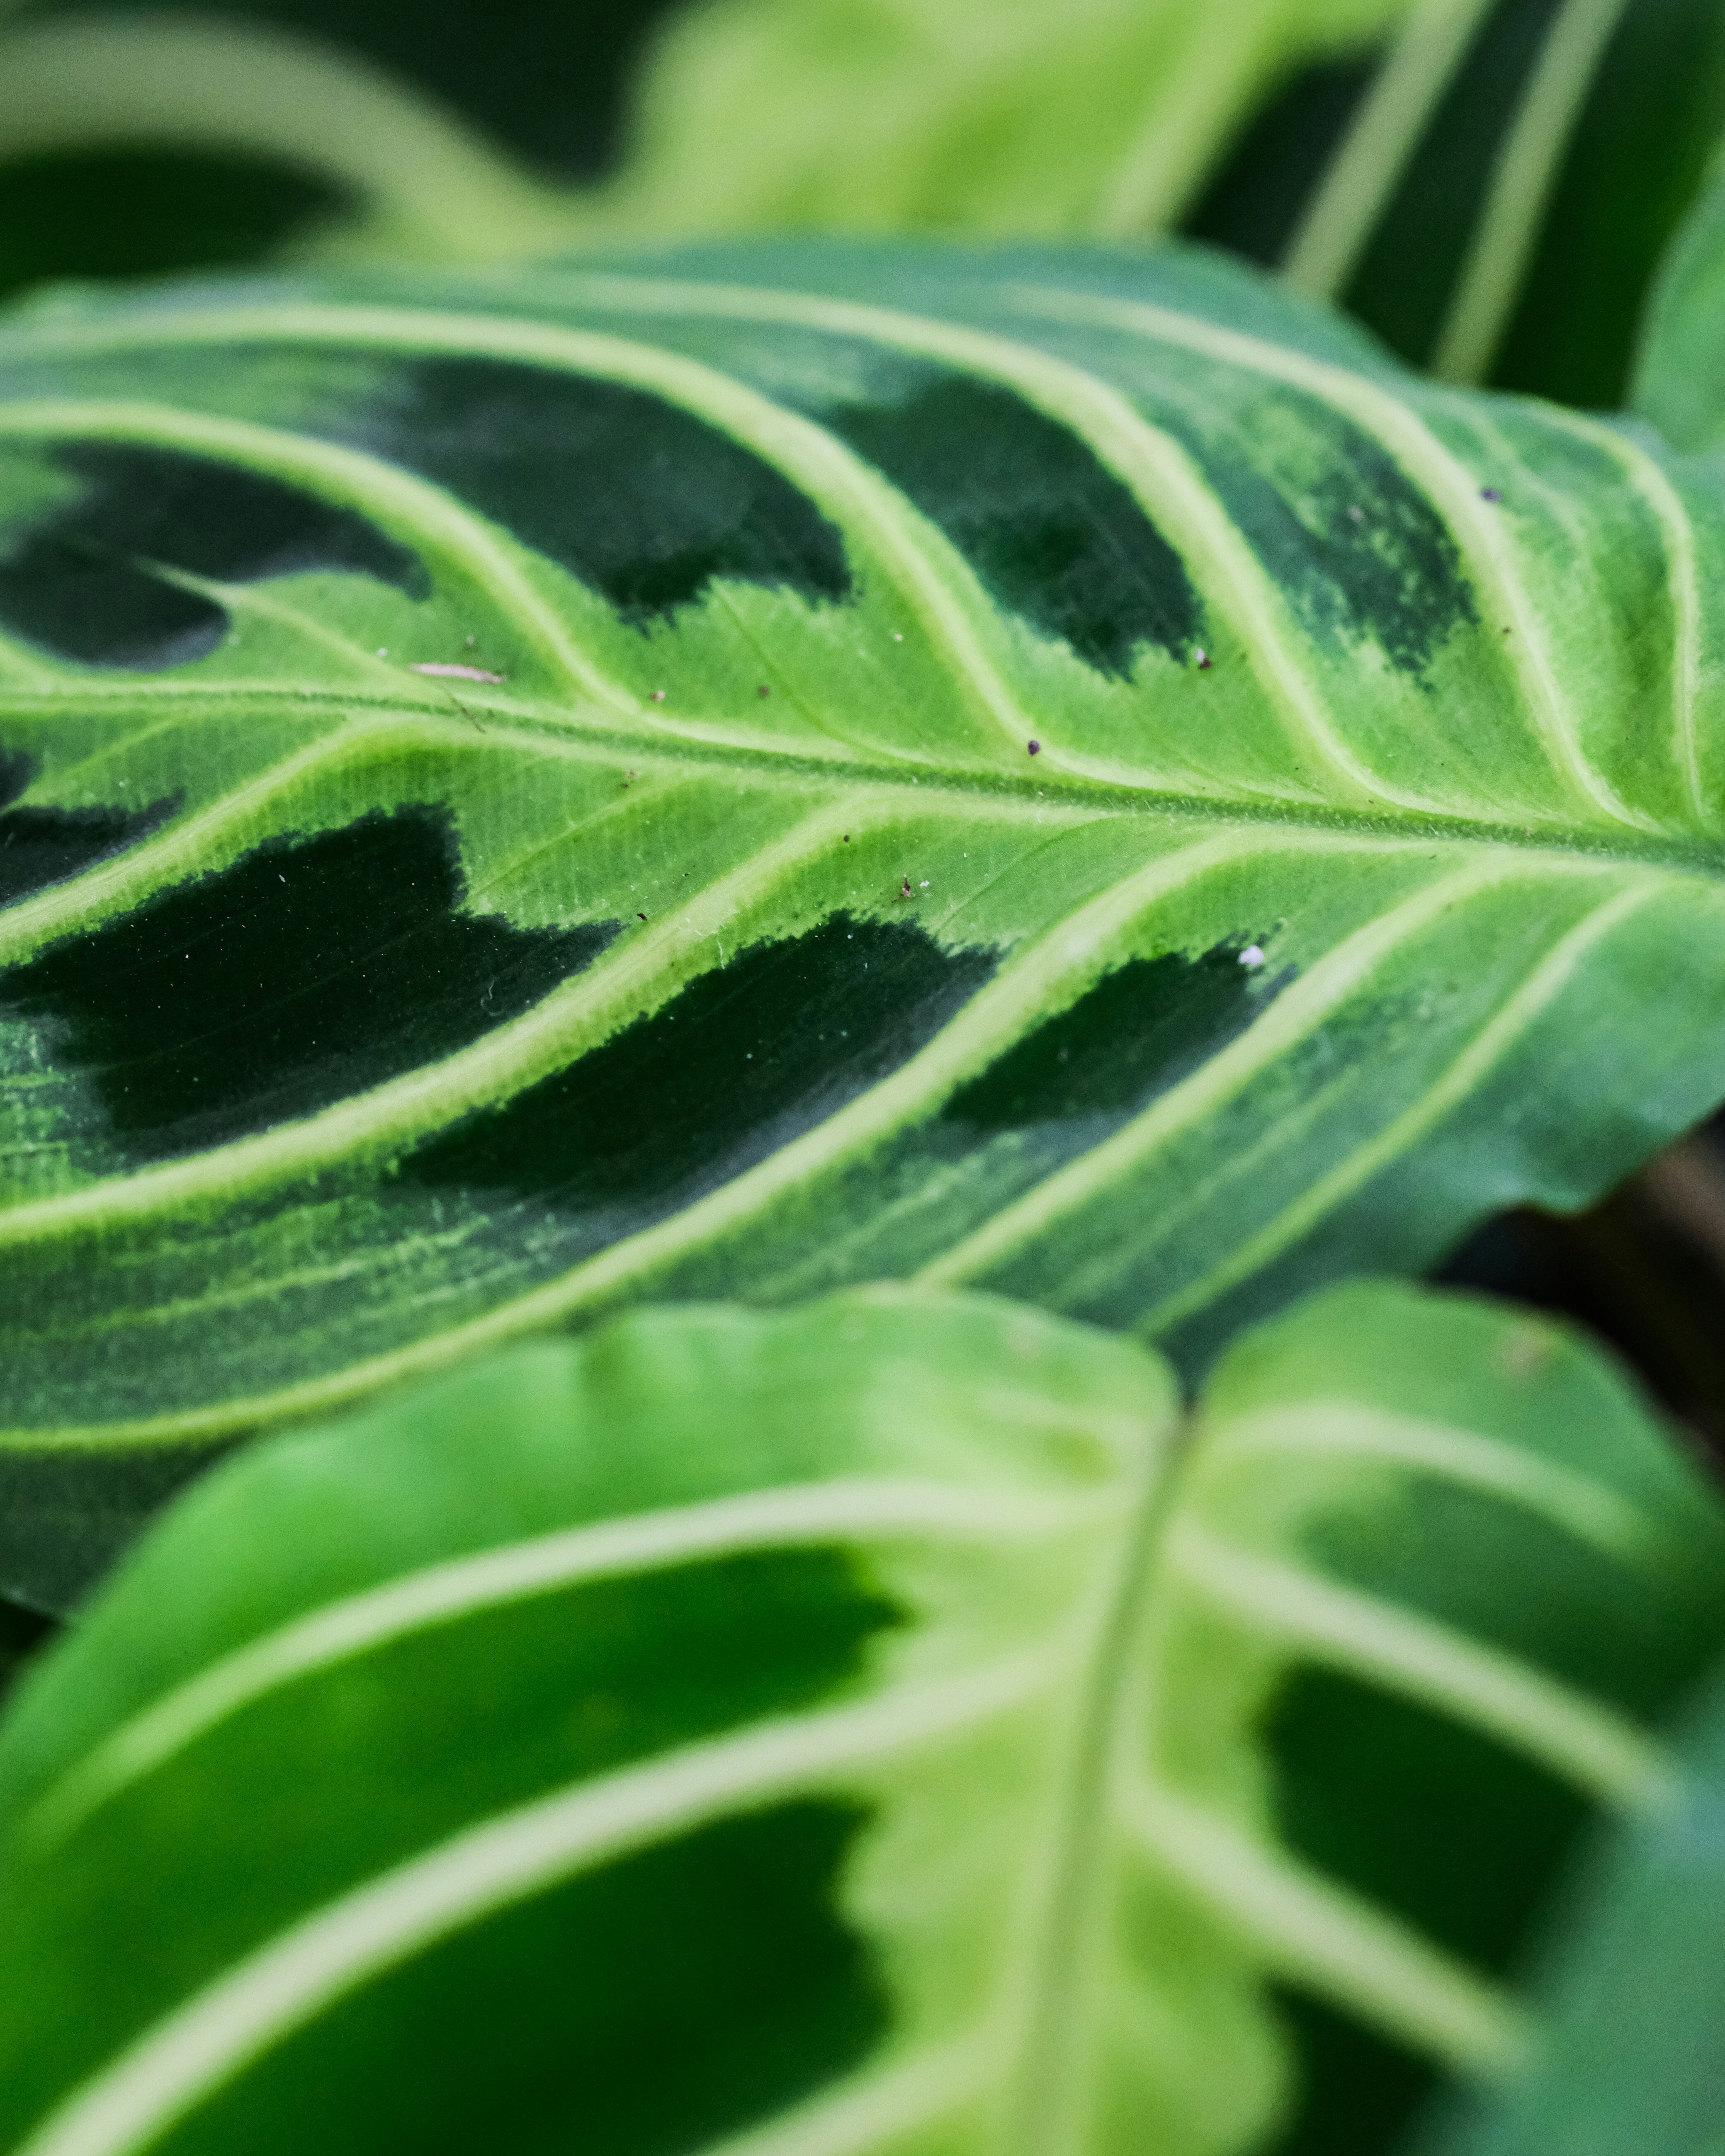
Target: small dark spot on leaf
1491 494
1034 747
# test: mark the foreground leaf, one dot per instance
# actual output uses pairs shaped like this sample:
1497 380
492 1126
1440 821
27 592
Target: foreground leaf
1632 2060
849 1730
1026 769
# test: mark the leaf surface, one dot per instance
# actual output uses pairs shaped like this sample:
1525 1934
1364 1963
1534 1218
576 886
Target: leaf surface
781 767
1493 192
746 114
864 1707
1680 378
1636 2029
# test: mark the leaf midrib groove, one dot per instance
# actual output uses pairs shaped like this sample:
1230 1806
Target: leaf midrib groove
1047 2116
1696 855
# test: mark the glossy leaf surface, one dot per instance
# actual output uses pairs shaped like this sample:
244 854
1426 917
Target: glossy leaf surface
1028 771
863 1709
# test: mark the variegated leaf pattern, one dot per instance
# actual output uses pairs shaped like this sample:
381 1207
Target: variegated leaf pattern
850 1730
1052 771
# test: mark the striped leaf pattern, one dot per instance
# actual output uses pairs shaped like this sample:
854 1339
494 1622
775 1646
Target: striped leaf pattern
852 1730
1493 192
1041 770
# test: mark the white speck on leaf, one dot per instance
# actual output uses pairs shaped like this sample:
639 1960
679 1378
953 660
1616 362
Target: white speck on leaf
1251 955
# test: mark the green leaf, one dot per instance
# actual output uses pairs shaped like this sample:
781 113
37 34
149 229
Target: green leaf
1680 375
1636 2024
842 1730
1494 194
1104 117
783 767
748 113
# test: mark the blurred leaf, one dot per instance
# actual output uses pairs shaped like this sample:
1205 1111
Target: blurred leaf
1494 196
1680 378
860 1709
1103 116
1633 2061
22 1632
444 133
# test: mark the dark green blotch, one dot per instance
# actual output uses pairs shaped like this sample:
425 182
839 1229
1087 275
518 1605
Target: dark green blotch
743 1060
1052 534
640 500
309 969
1432 1820
652 2008
138 212
24 1632
1390 575
1256 202
84 579
1139 1031
611 1671
1409 274
1356 2092
41 846
64 1523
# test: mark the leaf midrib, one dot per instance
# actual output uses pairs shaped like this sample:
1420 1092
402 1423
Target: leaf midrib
547 726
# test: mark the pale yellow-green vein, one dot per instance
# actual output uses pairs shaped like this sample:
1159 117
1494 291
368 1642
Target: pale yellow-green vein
1483 1053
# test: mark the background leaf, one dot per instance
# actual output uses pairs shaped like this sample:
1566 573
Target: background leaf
1493 192
541 790
1679 376
455 135
856 1706
1489 183
1637 2027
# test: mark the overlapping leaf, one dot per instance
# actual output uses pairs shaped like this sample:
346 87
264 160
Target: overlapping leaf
743 773
1631 2061
847 1730
1493 194
1680 382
